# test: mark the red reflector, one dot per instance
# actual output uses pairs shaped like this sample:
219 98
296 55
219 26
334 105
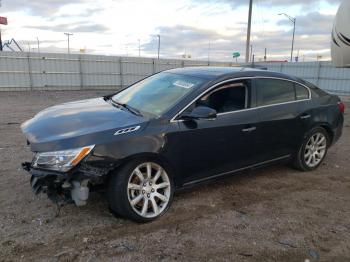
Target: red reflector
341 107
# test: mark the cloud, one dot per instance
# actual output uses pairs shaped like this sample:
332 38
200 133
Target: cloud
177 39
181 39
77 27
312 23
37 7
50 7
269 3
312 34
185 26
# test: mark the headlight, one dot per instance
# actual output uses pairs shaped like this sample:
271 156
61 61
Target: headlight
61 160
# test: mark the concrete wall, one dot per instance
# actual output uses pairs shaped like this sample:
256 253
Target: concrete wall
50 71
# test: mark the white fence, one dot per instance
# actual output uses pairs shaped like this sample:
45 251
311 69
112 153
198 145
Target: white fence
50 71
322 74
33 71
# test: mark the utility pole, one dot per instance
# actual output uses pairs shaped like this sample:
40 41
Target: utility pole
297 58
3 21
37 39
293 20
209 53
68 35
158 45
139 48
249 31
291 55
0 35
251 53
0 41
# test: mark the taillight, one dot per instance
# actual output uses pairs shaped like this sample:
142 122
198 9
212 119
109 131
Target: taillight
341 107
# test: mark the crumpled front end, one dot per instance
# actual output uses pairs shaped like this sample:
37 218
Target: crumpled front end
75 147
70 187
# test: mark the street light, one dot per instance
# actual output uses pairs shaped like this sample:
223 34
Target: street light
293 20
68 35
158 45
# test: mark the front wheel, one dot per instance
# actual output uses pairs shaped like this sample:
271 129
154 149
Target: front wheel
141 191
313 150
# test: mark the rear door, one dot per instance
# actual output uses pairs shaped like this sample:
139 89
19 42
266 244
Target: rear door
280 127
306 108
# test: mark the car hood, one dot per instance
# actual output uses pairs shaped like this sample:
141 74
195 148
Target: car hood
77 119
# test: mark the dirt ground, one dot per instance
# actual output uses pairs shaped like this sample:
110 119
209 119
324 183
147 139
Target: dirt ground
271 214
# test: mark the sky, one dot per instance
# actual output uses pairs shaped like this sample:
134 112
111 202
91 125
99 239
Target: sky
199 29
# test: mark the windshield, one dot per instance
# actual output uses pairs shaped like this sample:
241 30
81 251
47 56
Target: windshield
157 94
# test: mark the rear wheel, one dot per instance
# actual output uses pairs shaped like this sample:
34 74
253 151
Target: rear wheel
313 150
141 190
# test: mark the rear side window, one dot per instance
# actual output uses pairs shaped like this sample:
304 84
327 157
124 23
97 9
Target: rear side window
301 92
316 91
274 91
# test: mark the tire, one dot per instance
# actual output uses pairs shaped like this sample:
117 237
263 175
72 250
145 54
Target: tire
141 190
313 150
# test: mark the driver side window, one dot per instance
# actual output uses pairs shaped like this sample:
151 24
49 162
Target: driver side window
228 97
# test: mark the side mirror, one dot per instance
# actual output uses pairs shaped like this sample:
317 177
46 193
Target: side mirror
200 112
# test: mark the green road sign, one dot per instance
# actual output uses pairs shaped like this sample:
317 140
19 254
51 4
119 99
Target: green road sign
236 54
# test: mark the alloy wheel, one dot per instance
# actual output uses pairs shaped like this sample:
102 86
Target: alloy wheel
149 190
315 149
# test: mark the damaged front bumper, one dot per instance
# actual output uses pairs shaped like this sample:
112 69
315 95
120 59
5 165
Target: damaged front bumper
71 187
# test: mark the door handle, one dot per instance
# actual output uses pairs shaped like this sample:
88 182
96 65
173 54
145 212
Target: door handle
250 129
305 116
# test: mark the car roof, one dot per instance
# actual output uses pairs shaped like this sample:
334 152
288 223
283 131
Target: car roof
222 73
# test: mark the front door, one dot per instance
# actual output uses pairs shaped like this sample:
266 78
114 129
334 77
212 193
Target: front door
214 147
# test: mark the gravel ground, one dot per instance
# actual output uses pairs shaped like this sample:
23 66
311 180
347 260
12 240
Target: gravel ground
270 214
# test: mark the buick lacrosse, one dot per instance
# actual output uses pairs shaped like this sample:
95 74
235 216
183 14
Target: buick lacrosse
176 129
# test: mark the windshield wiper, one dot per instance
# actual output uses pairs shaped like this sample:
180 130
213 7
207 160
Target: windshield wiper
127 107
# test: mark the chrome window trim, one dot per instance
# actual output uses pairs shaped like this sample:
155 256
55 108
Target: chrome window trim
173 119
